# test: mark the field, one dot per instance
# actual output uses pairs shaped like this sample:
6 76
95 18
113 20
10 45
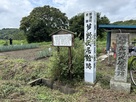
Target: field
18 68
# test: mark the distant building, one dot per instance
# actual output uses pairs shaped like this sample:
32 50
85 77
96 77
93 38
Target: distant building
112 31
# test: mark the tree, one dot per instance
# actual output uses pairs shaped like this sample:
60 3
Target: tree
41 22
13 33
101 20
77 24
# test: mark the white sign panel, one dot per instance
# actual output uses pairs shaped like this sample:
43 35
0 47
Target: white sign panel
90 27
62 40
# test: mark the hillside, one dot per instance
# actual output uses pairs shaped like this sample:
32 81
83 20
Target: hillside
13 33
127 22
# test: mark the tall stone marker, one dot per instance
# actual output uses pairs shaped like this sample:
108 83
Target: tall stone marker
90 29
119 82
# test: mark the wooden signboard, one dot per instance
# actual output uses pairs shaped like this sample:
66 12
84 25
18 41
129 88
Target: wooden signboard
63 40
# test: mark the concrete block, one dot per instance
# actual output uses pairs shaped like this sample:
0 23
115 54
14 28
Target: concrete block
120 86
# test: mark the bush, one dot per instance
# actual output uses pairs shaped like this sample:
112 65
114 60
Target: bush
18 47
129 61
43 54
101 44
59 62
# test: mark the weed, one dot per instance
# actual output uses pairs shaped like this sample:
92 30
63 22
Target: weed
8 88
43 54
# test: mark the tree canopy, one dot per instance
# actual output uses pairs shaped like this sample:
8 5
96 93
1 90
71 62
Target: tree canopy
101 20
77 24
13 33
41 22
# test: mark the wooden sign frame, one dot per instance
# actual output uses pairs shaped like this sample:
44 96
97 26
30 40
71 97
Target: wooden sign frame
63 40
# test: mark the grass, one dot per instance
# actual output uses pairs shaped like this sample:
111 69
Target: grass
20 73
15 87
21 42
16 73
47 44
101 45
15 42
34 94
17 47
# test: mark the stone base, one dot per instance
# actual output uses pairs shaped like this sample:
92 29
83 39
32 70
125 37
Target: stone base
120 86
90 77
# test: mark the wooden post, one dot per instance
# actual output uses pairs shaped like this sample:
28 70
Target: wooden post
70 62
58 52
58 49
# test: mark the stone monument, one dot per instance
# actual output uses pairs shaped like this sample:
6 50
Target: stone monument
119 82
90 30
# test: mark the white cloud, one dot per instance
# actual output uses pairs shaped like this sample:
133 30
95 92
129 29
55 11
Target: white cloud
12 11
114 9
60 1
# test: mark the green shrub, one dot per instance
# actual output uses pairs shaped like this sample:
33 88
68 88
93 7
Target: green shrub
99 50
134 39
101 46
6 43
15 42
59 62
43 54
19 42
129 61
17 47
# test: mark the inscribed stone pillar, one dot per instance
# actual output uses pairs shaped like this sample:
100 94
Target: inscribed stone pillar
90 30
119 82
122 57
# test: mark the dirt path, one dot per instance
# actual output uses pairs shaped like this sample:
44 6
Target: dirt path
29 54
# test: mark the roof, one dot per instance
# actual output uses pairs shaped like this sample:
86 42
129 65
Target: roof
117 26
62 31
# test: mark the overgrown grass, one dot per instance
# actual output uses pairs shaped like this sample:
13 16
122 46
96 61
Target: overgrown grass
19 42
101 46
9 92
44 53
45 43
15 42
20 73
19 69
8 88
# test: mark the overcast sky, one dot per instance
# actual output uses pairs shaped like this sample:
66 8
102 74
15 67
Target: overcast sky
12 11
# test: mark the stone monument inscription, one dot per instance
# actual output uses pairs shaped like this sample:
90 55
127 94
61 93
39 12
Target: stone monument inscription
122 57
90 29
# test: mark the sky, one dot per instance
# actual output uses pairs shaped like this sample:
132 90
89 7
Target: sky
12 11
